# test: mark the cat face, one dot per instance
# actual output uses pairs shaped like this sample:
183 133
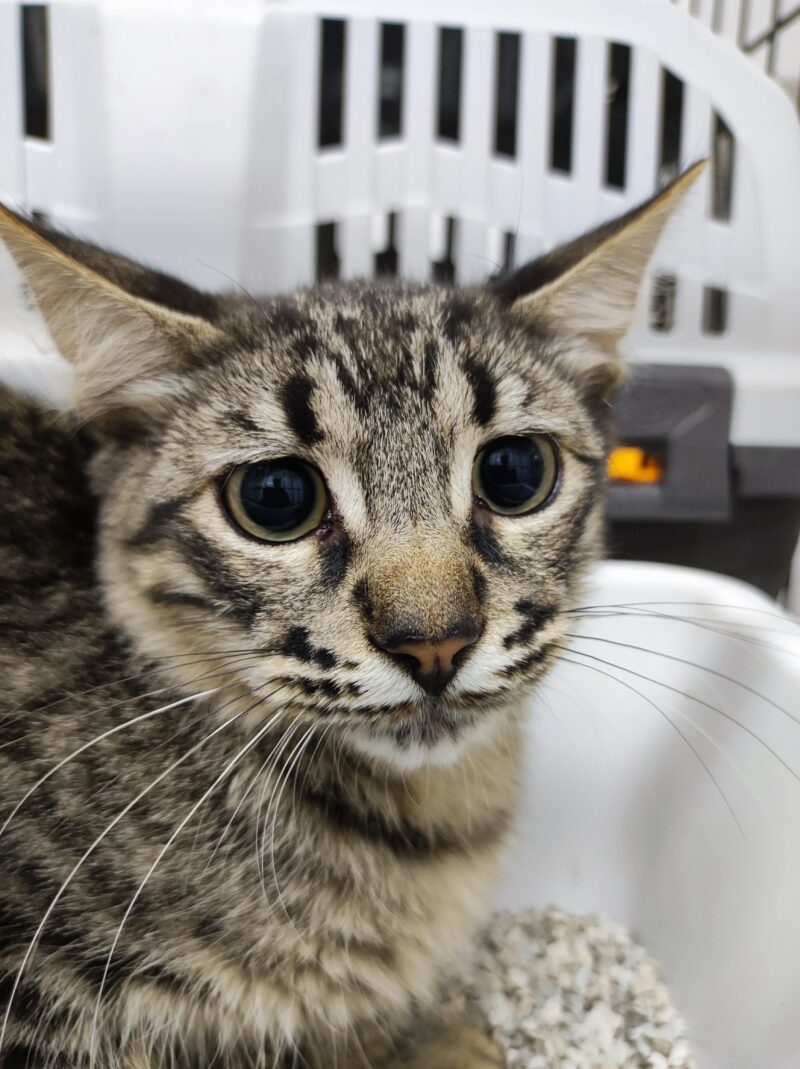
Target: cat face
366 505
390 396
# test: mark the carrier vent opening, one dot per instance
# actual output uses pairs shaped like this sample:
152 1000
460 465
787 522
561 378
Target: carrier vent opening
509 250
333 34
36 70
562 104
451 46
662 303
390 105
618 89
444 270
386 261
715 310
671 126
506 94
723 157
328 265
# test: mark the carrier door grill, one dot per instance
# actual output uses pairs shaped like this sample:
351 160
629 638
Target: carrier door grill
36 70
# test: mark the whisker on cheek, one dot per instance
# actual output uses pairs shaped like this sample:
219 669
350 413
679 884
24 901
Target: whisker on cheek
648 701
697 701
707 669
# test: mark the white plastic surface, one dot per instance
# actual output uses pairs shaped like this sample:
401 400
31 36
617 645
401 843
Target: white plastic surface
699 852
185 134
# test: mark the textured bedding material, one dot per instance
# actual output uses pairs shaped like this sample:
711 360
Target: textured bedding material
559 991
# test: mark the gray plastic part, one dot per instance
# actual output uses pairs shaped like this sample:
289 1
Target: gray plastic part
767 470
683 411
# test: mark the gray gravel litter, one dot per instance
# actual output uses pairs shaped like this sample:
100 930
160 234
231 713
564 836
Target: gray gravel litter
559 991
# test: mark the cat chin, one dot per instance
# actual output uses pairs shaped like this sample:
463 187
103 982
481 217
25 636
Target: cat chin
442 752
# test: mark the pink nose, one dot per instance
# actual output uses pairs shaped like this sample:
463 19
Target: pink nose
432 663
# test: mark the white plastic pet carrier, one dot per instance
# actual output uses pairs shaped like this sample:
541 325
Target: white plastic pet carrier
265 144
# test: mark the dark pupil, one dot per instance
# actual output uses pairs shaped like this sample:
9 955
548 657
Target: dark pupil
512 471
277 496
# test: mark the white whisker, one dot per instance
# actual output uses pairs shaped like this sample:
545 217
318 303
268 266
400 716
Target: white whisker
182 824
87 853
99 738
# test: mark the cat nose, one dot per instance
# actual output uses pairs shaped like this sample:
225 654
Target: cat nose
431 662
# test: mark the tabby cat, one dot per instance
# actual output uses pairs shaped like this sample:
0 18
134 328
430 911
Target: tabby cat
273 593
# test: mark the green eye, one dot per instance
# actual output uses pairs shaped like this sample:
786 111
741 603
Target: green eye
276 500
516 475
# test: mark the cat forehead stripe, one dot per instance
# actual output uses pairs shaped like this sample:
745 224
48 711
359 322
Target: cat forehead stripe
296 398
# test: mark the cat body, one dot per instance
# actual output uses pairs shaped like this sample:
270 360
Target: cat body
257 781
364 886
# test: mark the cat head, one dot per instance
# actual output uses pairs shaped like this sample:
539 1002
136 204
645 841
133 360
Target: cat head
367 504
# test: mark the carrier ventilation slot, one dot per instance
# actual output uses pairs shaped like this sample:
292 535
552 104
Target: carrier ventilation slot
618 86
451 46
444 270
506 94
331 81
390 110
327 256
715 310
662 305
671 126
723 161
386 261
509 250
36 70
563 104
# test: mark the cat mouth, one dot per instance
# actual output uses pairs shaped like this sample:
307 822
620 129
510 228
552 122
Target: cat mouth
445 716
432 732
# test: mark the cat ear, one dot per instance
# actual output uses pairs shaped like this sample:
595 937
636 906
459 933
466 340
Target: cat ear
106 316
587 290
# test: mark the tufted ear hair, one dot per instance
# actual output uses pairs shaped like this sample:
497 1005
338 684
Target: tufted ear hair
128 332
586 291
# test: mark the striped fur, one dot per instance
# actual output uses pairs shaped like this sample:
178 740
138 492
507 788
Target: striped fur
234 831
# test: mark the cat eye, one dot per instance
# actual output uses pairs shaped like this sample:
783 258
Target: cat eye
516 475
276 500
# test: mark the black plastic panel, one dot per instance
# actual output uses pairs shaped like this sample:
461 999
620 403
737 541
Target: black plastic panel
683 412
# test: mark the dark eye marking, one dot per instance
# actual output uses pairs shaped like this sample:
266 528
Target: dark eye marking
528 661
486 543
297 644
479 582
335 554
161 595
243 601
484 390
296 400
157 523
362 599
536 618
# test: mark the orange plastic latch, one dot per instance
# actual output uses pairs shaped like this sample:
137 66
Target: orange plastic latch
630 464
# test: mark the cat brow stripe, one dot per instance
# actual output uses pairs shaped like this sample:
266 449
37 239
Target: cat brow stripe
484 390
296 399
